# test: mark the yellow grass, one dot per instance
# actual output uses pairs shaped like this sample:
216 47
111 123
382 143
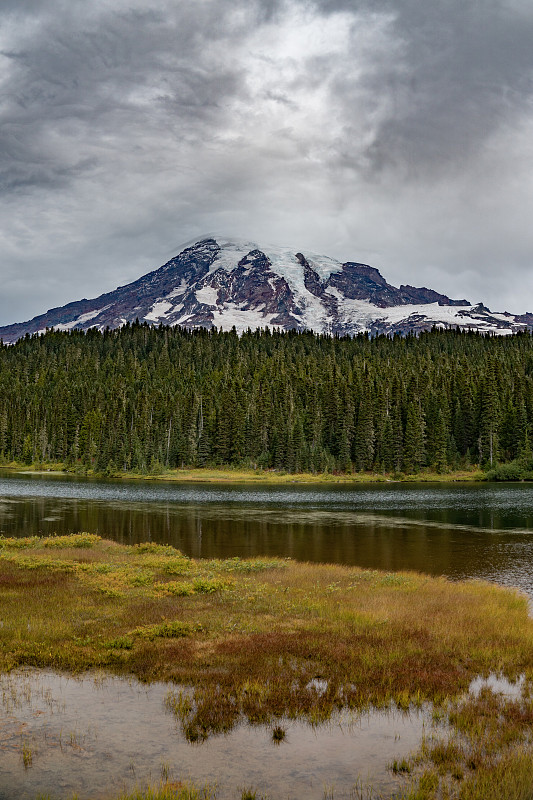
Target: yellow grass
259 476
249 637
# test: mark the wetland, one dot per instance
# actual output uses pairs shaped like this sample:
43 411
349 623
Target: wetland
163 634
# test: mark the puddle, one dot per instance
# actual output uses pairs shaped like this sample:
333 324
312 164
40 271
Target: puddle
97 736
512 690
319 685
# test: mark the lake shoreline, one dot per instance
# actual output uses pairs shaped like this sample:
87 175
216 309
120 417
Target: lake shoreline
262 477
462 529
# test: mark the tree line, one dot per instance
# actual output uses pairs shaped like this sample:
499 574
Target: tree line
145 398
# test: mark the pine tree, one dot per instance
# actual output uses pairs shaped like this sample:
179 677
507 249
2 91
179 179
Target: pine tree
488 440
414 438
441 436
363 447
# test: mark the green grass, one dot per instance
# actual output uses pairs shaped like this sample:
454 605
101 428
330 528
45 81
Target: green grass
171 791
509 779
238 475
166 791
250 638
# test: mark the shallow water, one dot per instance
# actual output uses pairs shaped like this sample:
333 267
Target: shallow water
459 530
97 735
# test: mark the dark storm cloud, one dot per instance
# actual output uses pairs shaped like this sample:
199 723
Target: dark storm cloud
75 79
468 70
391 131
462 70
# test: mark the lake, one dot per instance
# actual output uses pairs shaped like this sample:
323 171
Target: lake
460 530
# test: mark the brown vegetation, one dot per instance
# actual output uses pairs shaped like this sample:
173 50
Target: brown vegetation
265 639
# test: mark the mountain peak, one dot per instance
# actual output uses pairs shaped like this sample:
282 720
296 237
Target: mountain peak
227 282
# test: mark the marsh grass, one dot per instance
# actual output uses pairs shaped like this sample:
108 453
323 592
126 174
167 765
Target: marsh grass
27 754
167 790
171 791
237 475
265 639
278 734
511 779
261 476
487 755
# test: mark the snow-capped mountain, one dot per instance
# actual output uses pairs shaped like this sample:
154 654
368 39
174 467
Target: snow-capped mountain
228 282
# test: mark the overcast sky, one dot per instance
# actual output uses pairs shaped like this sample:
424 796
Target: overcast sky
394 132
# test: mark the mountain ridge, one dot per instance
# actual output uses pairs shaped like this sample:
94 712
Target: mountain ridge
223 282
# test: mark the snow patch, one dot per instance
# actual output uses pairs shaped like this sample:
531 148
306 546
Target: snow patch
322 265
208 295
504 317
230 316
364 313
179 290
176 310
67 326
282 258
158 310
231 252
285 265
334 292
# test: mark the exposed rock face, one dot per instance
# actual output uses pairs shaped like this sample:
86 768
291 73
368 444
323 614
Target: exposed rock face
226 283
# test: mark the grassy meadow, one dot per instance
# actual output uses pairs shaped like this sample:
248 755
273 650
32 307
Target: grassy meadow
260 476
251 637
228 475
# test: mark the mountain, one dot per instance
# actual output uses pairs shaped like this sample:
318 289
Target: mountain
228 282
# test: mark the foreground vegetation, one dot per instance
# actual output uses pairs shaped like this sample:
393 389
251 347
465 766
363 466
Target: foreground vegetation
145 399
265 639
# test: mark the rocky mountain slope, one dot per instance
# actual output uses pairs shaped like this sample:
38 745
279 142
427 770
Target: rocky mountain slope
227 282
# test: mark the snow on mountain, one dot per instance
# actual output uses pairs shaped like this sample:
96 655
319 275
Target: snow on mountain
227 283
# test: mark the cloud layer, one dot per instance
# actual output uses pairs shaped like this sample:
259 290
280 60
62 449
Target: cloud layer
393 132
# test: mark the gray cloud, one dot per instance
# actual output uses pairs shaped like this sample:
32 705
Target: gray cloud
391 131
468 68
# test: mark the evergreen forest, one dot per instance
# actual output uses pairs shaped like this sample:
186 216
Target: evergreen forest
144 399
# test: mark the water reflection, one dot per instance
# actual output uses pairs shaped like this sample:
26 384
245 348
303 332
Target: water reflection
463 531
97 736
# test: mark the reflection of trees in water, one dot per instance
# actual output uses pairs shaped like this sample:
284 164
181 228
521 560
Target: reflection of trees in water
451 541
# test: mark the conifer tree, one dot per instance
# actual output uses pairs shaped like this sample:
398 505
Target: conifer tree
414 439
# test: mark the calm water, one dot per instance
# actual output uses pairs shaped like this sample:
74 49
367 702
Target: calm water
99 737
459 530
